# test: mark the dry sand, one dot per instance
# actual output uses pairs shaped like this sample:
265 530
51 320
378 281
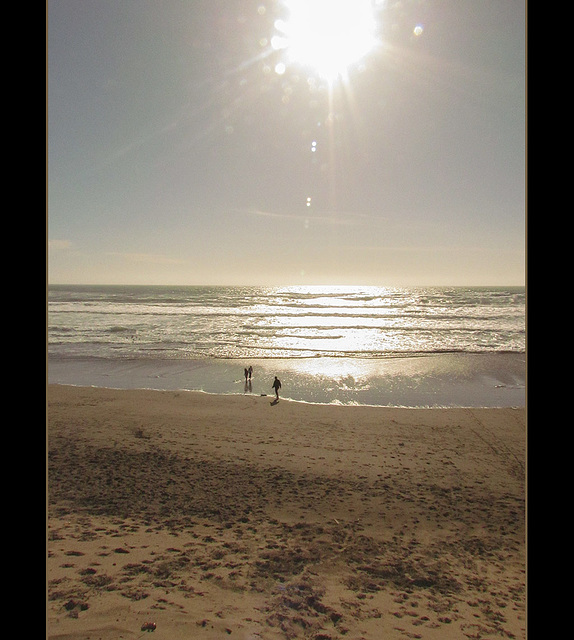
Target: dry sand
236 517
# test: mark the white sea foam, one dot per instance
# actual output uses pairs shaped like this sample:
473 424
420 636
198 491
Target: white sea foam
250 322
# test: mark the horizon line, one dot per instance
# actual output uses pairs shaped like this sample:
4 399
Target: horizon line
173 284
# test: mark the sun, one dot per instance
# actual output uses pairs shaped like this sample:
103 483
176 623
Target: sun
327 36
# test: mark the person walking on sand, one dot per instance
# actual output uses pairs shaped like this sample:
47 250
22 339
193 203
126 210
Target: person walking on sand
246 373
250 371
276 385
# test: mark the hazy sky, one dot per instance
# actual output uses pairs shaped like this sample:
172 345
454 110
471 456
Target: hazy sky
241 142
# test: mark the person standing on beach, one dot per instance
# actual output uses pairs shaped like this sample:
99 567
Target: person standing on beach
276 385
250 371
245 373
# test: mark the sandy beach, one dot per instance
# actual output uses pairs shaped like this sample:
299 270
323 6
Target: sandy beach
187 515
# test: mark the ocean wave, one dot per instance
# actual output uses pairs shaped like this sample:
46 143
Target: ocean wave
240 322
272 314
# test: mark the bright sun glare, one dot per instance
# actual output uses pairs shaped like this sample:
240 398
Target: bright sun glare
326 35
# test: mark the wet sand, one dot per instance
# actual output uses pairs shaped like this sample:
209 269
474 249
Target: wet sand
432 380
235 516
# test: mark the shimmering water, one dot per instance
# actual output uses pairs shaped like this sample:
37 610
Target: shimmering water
347 344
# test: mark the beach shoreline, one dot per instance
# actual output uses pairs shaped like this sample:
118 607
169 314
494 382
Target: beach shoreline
424 380
233 515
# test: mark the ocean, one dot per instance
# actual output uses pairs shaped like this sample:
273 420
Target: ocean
419 347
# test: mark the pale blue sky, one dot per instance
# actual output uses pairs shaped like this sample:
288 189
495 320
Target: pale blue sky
178 154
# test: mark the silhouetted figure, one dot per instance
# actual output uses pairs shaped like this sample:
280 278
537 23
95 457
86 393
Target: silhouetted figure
276 385
250 371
